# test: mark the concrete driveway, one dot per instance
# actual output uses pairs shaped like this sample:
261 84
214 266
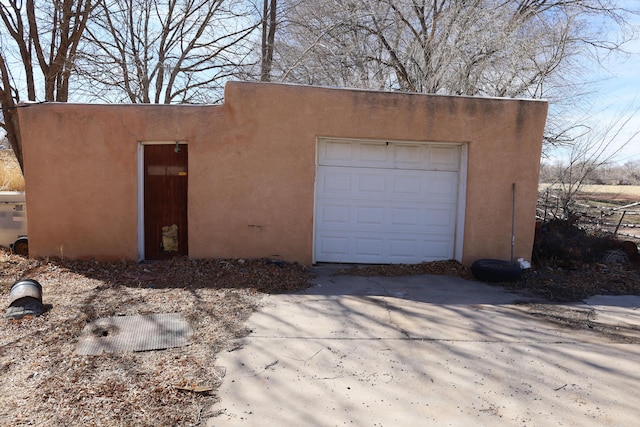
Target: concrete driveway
431 350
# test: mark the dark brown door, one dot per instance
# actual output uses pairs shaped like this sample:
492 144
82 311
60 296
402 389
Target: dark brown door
165 201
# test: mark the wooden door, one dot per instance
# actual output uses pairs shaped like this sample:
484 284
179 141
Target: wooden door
165 201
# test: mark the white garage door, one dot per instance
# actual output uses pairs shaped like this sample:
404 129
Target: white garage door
385 202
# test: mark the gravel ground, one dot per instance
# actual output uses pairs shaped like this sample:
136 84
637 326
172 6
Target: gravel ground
43 382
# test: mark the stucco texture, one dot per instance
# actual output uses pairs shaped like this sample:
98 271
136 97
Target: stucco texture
252 165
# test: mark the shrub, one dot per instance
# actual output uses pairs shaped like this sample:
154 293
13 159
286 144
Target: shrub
11 178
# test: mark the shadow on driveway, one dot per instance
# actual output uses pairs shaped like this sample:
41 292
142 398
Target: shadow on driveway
421 350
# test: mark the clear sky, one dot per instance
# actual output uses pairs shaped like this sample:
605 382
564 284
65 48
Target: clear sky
619 94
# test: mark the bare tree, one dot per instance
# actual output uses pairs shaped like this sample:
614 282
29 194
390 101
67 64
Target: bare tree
174 51
478 47
269 22
324 43
590 158
632 171
39 43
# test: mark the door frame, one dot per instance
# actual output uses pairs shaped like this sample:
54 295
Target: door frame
141 144
461 203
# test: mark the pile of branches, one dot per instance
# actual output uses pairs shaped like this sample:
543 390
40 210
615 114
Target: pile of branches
563 244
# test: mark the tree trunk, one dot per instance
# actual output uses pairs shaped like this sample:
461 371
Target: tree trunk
10 113
268 38
24 25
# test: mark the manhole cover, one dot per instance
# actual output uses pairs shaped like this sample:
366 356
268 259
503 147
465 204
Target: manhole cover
133 333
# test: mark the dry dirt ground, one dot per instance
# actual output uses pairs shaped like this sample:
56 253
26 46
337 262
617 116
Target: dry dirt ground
43 382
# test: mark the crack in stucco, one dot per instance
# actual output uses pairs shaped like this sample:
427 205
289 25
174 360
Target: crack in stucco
125 127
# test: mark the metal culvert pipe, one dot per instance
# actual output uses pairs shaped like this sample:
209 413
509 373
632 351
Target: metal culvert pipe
25 300
25 288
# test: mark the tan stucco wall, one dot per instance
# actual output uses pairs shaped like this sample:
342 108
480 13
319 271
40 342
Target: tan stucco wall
252 167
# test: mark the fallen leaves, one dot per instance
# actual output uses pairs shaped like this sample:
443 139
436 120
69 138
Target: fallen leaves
447 268
44 382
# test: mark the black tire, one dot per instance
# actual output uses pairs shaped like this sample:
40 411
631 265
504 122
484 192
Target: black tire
21 247
495 270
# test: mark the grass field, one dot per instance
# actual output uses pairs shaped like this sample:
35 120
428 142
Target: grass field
11 178
631 191
614 192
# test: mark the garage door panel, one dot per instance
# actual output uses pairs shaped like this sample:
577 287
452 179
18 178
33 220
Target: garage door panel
409 216
368 182
336 153
444 219
336 180
442 158
370 215
347 153
437 250
385 184
389 155
385 248
407 185
372 154
404 248
442 186
368 247
377 203
332 247
409 156
333 213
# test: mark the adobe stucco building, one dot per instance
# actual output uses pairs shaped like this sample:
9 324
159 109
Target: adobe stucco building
297 173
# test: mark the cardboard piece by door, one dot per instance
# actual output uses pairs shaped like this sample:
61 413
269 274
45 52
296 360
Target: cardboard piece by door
165 199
